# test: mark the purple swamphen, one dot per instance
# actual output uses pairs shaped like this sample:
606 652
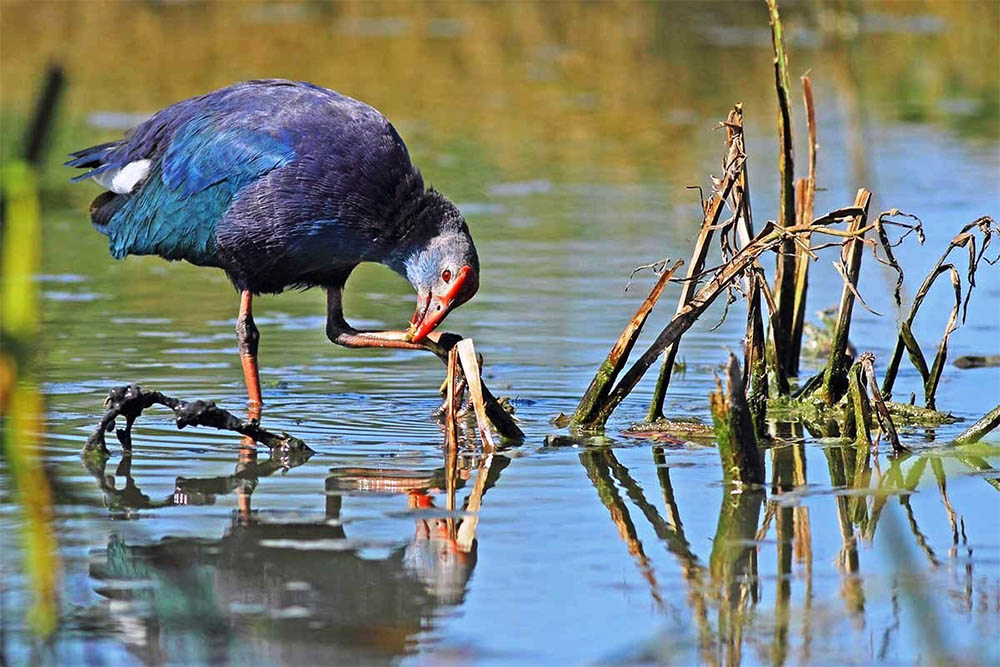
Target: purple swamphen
283 184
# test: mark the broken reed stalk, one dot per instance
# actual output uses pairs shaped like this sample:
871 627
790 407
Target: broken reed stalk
734 184
805 201
502 421
754 353
906 340
603 381
129 402
470 367
710 214
858 416
882 414
734 429
451 401
835 374
754 361
976 432
784 279
865 400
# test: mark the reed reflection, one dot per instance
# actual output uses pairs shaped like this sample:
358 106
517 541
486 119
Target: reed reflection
730 607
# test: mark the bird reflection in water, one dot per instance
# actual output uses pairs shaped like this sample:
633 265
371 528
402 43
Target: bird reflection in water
299 592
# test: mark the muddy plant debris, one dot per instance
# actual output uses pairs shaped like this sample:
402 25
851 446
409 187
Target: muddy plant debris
129 402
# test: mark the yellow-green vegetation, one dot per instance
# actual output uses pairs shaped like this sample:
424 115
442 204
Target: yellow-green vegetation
20 401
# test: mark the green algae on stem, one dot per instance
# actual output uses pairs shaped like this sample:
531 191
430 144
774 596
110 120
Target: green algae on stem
976 432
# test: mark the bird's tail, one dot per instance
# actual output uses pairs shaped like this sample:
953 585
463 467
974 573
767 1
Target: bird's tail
93 158
90 158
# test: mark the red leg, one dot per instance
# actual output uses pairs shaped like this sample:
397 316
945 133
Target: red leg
248 337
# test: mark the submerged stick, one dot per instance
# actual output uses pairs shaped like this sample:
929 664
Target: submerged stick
734 430
470 367
131 400
976 432
835 375
601 385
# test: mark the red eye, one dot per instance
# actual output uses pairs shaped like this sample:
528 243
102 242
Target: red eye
446 275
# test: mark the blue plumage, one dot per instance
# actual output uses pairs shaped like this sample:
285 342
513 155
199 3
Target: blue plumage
176 213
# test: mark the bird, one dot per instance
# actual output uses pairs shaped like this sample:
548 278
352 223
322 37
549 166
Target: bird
283 184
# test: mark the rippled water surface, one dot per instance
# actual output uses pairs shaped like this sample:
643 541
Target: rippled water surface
567 134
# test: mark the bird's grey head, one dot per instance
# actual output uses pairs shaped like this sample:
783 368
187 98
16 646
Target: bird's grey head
443 268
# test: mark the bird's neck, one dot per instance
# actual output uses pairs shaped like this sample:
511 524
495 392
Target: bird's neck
422 217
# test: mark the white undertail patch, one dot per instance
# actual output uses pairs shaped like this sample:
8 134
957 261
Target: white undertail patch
122 181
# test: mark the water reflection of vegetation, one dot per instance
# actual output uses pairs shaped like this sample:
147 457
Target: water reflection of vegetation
302 588
723 598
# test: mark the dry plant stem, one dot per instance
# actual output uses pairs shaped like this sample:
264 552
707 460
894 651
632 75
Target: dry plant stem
805 200
976 432
734 430
451 401
500 418
711 214
129 402
754 361
754 354
835 375
470 367
601 385
780 379
931 376
784 281
734 168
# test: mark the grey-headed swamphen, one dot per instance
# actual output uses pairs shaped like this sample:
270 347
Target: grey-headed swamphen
283 184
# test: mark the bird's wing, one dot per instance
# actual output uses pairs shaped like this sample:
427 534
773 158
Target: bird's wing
188 181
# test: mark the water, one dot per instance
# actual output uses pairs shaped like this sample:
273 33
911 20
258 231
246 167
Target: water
567 134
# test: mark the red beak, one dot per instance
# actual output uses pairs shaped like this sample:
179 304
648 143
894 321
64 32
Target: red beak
432 309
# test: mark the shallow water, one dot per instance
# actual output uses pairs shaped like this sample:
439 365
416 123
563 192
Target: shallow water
568 144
